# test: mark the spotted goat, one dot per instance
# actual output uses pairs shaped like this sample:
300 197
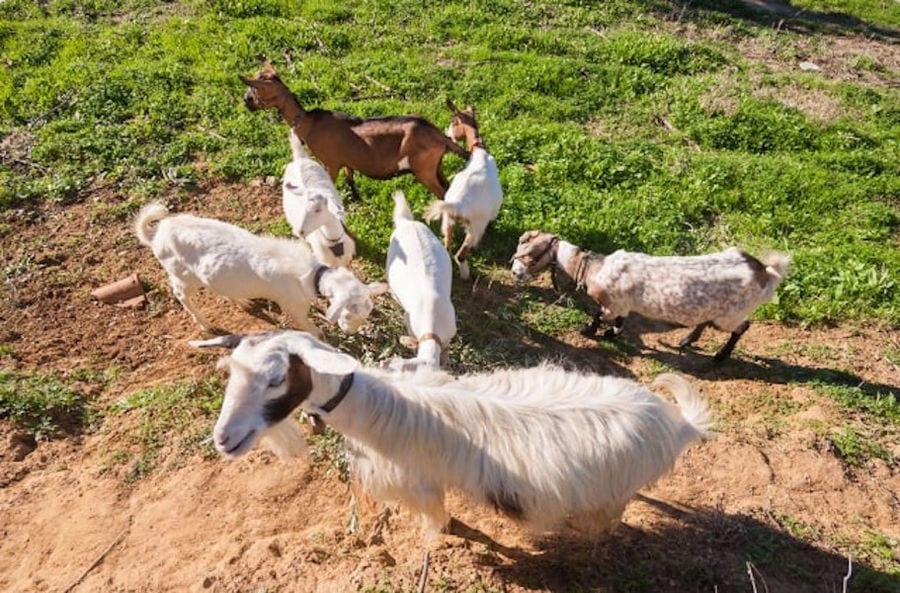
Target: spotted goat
719 289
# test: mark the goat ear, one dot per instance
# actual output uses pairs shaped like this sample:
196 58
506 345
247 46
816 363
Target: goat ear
451 106
335 209
267 66
528 236
230 341
377 288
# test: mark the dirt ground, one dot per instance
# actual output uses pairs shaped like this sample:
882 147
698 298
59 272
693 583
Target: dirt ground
768 490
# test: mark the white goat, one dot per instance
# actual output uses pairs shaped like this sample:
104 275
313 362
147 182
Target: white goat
239 265
474 196
548 447
720 289
313 208
420 274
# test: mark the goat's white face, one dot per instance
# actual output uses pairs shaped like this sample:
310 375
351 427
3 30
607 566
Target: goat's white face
534 253
271 375
315 215
351 300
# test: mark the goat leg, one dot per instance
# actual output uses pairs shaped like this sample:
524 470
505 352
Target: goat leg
447 227
462 256
590 330
694 335
348 173
615 330
728 348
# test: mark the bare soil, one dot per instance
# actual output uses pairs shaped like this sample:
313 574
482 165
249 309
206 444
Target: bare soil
769 489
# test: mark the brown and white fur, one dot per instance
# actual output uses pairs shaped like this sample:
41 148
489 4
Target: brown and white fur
379 147
547 447
719 289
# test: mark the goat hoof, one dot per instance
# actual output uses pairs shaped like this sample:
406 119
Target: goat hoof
589 331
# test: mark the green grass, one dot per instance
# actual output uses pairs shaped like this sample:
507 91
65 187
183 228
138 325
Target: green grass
164 423
144 96
48 405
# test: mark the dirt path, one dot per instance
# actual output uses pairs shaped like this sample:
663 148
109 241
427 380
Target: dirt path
769 489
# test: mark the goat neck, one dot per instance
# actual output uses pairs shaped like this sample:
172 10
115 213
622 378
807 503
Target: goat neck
291 111
574 262
473 140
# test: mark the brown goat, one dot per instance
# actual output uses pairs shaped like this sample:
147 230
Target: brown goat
379 147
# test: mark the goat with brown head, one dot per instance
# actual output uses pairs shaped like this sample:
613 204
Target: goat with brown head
378 147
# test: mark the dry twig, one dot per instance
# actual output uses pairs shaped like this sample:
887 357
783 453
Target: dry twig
99 558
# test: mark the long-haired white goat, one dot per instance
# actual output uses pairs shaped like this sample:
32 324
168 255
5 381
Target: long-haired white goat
474 196
313 208
420 276
234 263
548 447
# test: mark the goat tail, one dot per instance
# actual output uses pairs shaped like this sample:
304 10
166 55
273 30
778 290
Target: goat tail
694 409
401 208
146 218
777 265
438 208
285 440
298 150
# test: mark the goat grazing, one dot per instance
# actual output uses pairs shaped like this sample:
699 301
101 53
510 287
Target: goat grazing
720 289
420 274
474 196
232 262
313 208
547 447
380 147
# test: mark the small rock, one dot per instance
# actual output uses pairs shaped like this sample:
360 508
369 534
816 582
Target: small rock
208 582
809 67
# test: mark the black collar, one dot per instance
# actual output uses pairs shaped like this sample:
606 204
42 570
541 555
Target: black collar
317 424
320 271
346 384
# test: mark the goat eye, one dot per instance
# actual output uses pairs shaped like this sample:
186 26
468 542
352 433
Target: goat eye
275 382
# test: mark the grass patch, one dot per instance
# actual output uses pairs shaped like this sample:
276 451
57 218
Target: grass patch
167 423
92 98
327 449
880 405
49 406
855 447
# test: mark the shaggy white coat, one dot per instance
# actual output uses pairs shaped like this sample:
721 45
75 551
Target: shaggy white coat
420 276
313 208
234 263
546 446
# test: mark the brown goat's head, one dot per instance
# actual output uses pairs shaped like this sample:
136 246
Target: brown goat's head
536 251
266 89
461 120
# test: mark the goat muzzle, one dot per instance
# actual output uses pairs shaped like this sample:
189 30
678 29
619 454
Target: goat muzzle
250 100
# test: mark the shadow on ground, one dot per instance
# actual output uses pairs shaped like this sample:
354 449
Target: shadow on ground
776 14
691 549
